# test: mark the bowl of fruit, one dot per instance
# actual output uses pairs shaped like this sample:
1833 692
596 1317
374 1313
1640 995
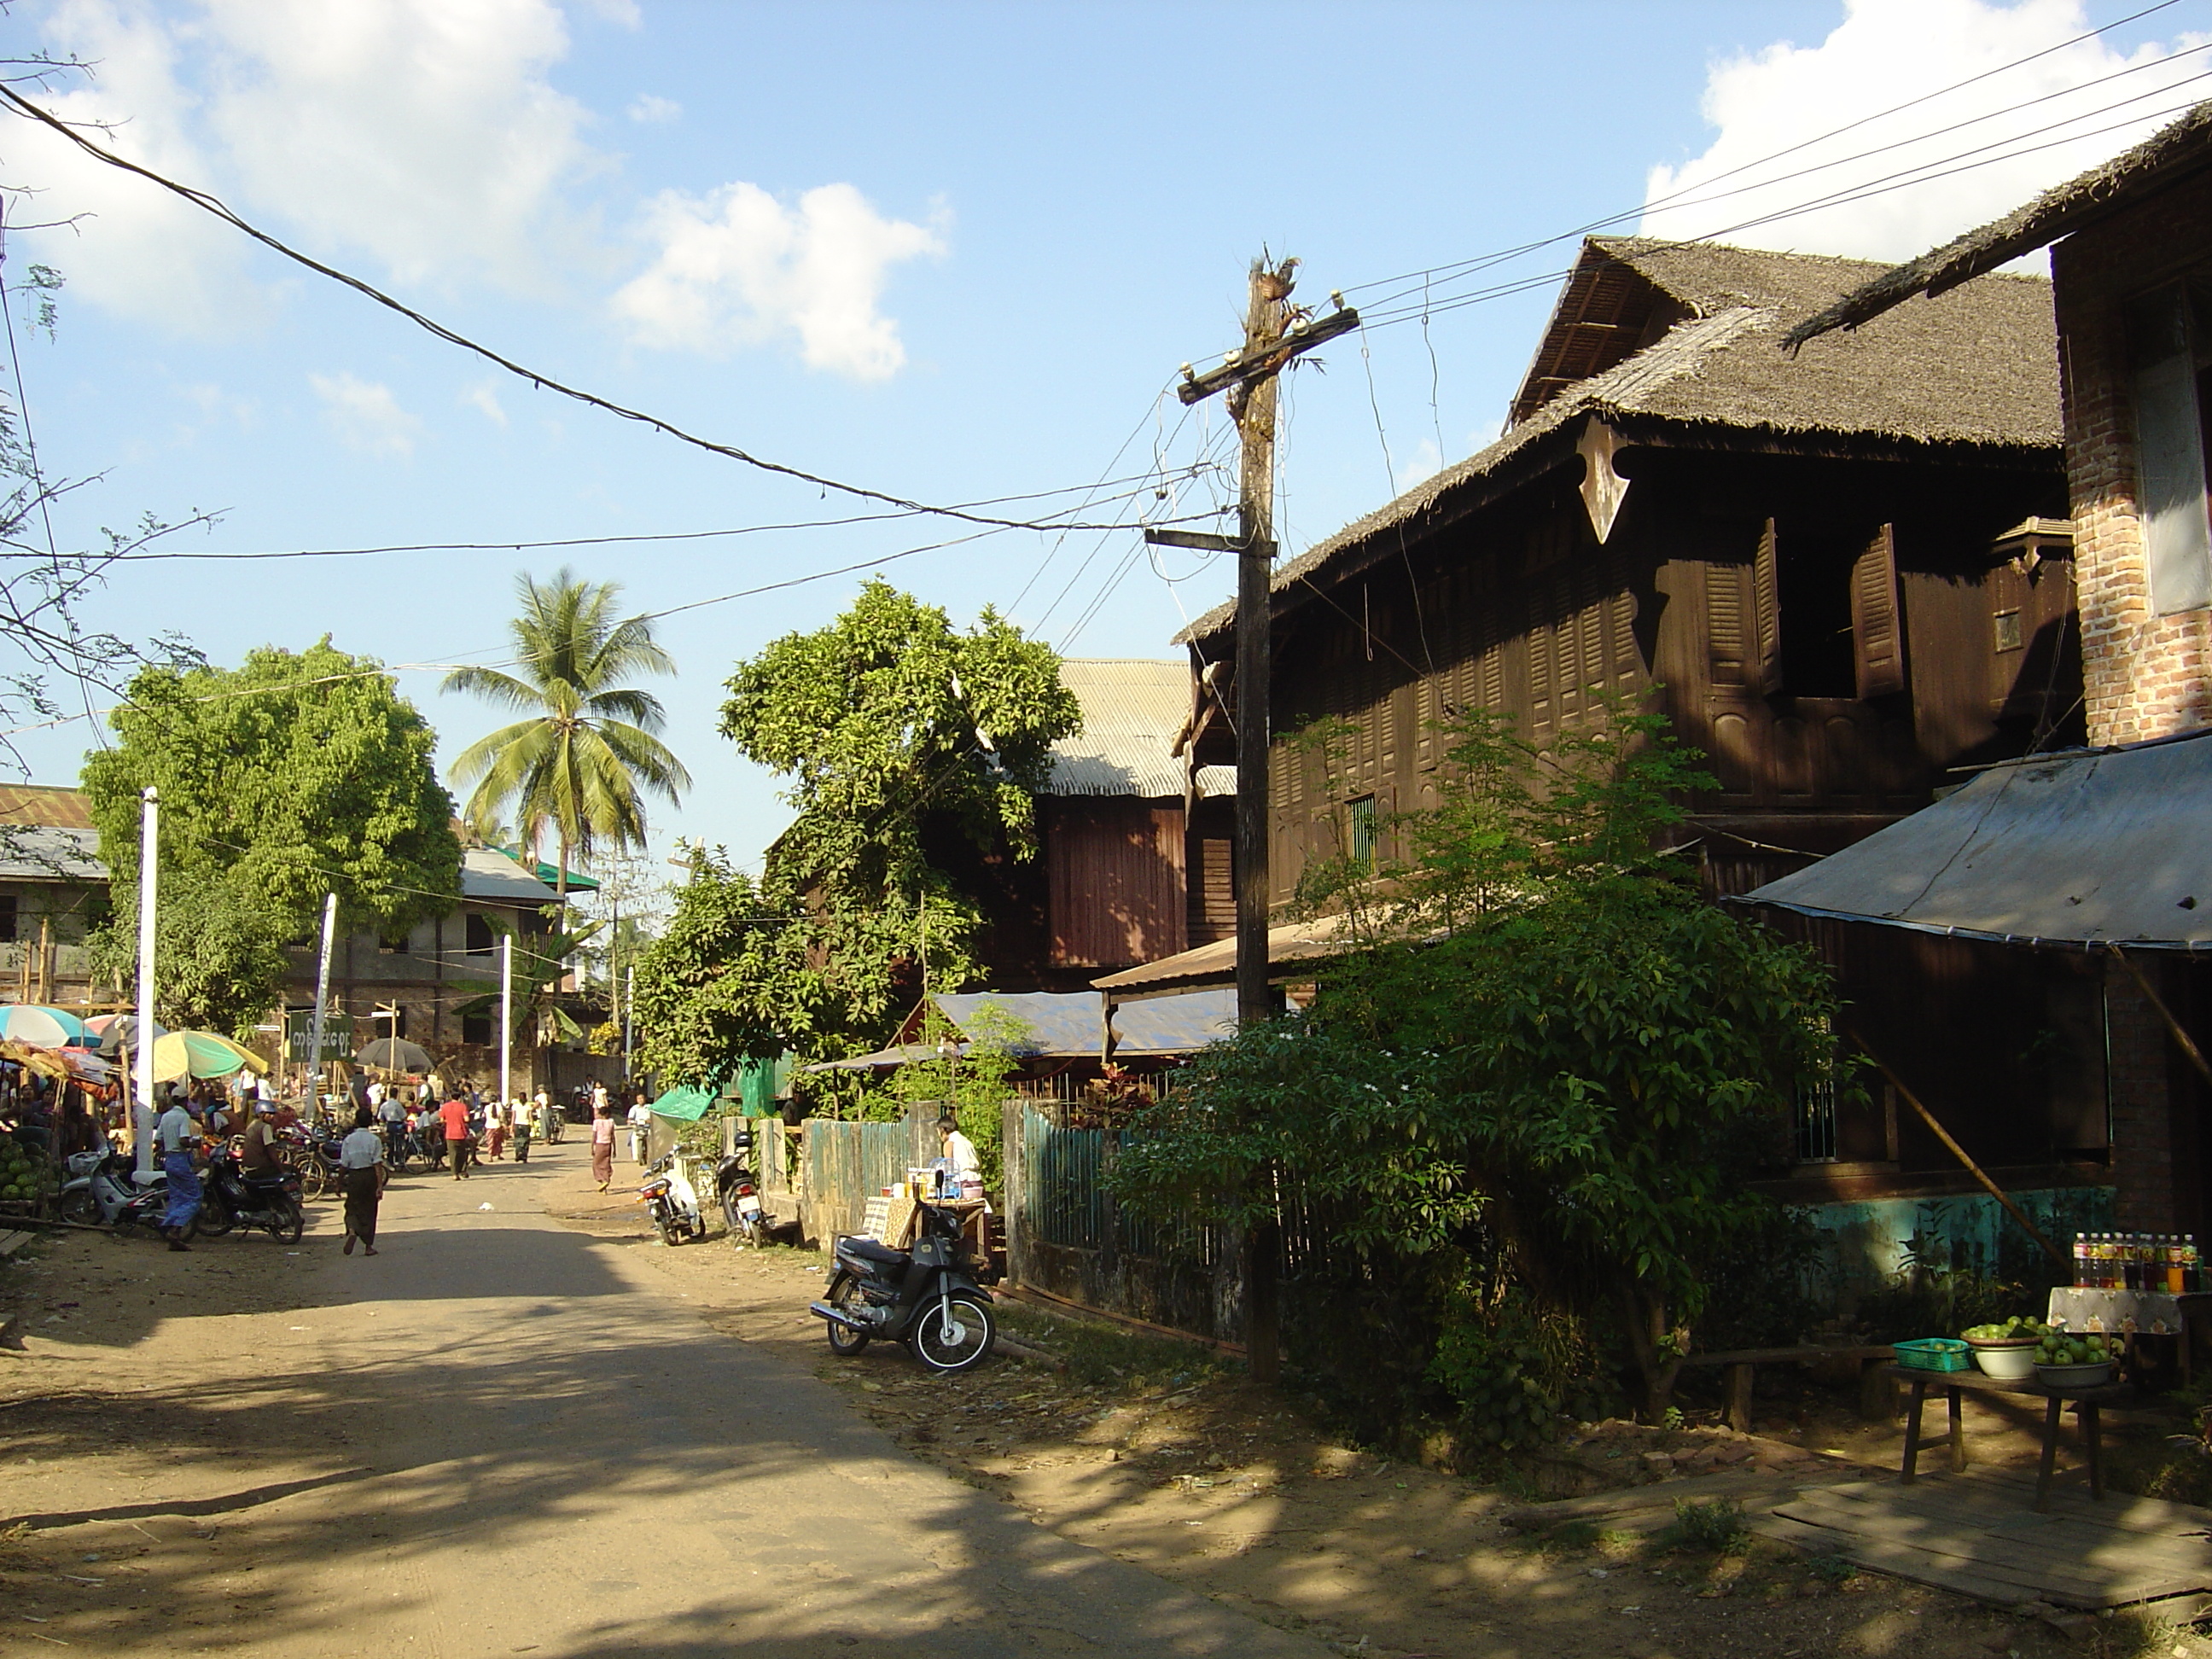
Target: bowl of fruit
2064 1359
2007 1352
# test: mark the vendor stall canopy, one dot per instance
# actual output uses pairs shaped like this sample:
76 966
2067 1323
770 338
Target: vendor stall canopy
2089 848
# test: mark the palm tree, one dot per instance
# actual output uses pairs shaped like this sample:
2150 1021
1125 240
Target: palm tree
578 764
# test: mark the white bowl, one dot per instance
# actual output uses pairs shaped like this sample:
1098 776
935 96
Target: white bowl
2013 1362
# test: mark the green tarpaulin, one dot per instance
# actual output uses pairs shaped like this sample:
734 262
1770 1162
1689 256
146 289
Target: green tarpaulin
759 1083
685 1105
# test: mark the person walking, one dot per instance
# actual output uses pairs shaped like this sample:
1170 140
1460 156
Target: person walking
179 1137
602 1147
519 1108
454 1114
392 1114
361 1155
496 1127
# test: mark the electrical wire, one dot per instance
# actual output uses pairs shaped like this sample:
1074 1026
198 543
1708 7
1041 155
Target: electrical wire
216 208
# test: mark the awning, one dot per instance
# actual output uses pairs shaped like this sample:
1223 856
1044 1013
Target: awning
1292 950
685 1105
2088 848
905 1054
1064 1024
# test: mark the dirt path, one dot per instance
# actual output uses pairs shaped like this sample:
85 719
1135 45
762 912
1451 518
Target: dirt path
527 1427
499 1436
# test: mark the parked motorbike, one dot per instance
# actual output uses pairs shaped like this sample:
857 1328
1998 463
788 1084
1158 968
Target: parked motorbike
926 1297
738 1189
322 1168
103 1189
231 1198
672 1200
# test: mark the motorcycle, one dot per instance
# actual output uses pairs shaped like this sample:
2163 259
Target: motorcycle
739 1191
672 1201
232 1198
926 1297
322 1167
103 1188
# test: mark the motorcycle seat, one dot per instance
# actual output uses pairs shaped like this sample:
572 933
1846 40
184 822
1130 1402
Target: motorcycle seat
866 1250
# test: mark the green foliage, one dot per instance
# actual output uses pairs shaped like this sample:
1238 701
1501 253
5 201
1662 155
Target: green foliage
286 778
895 734
574 765
289 776
218 950
1515 1370
1757 1282
537 1006
1716 1525
978 1084
1547 1043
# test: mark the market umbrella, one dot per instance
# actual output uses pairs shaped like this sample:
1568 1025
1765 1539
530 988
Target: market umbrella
46 1061
203 1054
117 1032
394 1055
49 1028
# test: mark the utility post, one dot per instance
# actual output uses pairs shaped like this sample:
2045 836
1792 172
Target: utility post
1250 379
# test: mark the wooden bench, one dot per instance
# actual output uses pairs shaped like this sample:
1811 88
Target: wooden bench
1742 1365
1957 1384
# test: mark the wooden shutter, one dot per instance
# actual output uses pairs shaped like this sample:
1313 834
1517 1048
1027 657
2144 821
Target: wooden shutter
1877 624
1762 665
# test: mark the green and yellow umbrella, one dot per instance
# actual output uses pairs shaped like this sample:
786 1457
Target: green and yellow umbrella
201 1054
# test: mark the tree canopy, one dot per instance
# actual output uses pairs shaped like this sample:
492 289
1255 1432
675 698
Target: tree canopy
896 734
289 777
1547 1071
581 761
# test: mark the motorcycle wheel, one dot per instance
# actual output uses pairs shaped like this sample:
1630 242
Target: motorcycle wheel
291 1221
844 1294
670 1234
81 1207
214 1218
973 1331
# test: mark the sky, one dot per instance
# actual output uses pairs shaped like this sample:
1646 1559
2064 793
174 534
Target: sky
945 253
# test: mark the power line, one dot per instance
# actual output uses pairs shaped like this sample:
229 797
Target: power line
215 206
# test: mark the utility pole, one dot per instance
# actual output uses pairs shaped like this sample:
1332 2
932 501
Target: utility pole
322 1002
1250 377
149 825
506 1019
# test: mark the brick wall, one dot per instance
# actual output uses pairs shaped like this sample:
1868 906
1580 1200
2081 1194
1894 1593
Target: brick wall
2146 675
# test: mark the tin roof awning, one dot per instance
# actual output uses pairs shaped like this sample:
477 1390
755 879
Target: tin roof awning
1064 1024
2090 848
1292 949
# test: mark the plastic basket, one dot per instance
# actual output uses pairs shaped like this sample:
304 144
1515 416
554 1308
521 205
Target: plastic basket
1934 1353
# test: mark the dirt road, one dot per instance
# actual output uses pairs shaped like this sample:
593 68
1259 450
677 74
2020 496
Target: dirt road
500 1436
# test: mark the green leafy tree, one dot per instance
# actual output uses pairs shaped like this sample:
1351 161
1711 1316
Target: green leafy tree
583 760
1549 1056
721 983
218 946
899 738
291 776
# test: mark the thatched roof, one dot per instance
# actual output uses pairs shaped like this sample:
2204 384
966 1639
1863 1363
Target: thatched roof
1978 368
2168 155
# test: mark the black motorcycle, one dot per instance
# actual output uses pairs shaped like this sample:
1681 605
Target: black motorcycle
926 1297
738 1189
231 1197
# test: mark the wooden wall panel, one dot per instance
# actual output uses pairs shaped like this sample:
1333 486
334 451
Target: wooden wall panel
1115 867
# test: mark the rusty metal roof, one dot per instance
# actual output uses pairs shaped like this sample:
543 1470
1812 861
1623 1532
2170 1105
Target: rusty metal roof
52 804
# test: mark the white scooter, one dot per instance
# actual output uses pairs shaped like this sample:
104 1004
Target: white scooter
674 1204
105 1189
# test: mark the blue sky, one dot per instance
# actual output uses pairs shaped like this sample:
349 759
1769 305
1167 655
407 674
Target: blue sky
946 251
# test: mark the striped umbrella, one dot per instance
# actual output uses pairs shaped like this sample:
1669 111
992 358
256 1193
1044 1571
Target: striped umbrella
45 1028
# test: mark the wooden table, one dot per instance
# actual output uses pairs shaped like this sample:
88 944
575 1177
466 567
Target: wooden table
1957 1384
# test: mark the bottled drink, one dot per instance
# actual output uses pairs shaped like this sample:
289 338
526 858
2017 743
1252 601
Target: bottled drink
2081 1259
2175 1265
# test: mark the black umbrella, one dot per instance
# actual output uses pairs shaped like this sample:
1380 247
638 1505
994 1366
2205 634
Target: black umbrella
394 1055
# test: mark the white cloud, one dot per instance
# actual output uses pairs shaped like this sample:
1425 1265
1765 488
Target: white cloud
653 110
366 415
738 267
483 398
423 133
1426 462
1884 53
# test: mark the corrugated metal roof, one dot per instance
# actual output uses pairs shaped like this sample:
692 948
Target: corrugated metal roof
49 853
1064 1023
1294 946
53 805
488 873
1133 709
2093 847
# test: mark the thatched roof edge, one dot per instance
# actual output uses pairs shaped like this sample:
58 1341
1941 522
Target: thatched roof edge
2167 155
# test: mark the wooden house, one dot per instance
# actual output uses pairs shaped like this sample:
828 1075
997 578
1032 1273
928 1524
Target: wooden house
2108 993
1135 834
1843 575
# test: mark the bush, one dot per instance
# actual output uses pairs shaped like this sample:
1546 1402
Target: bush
1515 1371
1716 1525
